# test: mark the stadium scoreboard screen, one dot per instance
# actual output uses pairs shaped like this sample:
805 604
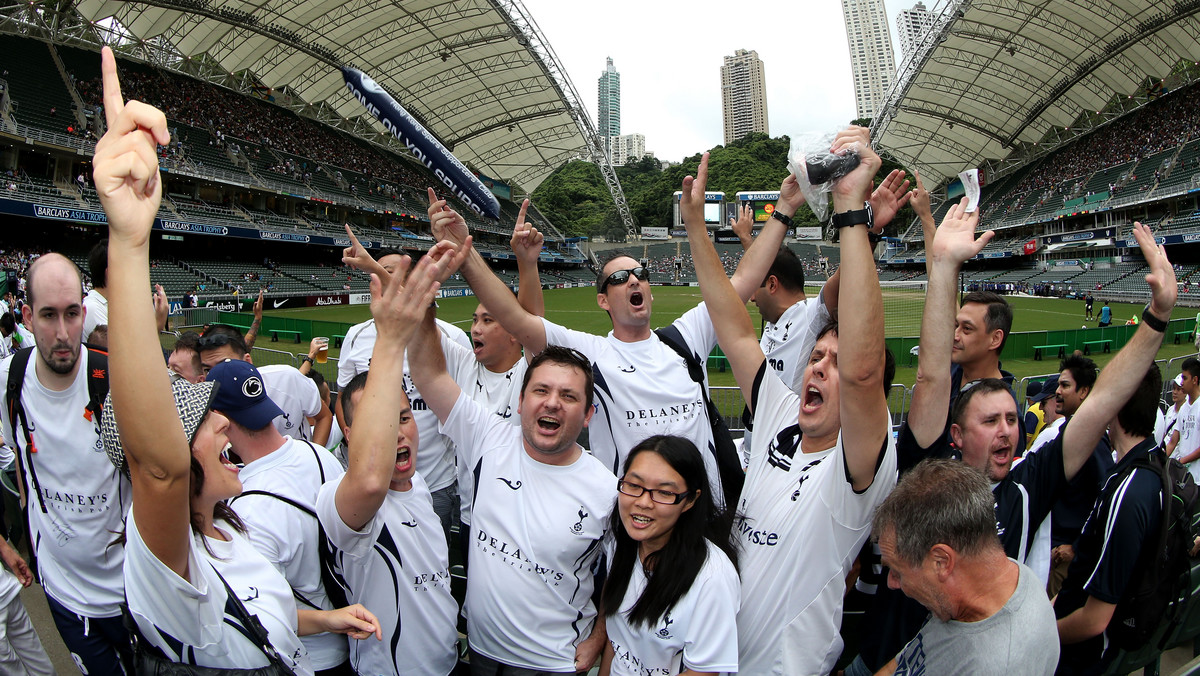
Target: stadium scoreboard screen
762 202
714 209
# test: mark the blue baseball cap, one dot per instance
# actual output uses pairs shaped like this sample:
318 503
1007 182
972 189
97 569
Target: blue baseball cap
241 395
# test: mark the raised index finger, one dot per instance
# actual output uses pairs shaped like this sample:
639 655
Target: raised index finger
353 239
113 103
521 213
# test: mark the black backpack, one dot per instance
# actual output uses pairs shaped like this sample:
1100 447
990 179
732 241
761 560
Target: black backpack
1158 592
729 464
334 589
96 363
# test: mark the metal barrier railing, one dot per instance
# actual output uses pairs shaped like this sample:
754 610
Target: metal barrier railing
266 357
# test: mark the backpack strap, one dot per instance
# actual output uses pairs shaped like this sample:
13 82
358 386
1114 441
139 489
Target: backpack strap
97 381
672 338
298 505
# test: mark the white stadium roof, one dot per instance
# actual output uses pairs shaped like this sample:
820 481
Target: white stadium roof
477 73
1001 82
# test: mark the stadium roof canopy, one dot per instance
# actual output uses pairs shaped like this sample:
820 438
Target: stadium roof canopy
998 83
477 73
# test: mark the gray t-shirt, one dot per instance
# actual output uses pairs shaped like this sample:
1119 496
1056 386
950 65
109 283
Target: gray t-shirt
1013 641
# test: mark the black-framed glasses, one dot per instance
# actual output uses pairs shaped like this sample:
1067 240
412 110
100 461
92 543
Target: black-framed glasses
621 276
656 494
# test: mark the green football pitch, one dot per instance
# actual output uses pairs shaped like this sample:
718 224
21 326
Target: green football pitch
576 308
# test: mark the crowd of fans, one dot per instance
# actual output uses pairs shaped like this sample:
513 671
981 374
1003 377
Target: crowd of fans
230 116
1168 122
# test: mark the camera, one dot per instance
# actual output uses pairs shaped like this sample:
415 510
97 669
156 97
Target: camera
825 167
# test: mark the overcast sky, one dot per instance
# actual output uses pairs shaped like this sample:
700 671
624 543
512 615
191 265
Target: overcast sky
669 56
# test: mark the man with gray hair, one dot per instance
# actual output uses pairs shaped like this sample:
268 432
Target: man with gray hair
990 615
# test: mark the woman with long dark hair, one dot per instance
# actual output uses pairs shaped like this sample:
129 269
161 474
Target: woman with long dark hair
190 574
672 593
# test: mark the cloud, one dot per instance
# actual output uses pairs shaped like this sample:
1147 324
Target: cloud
669 56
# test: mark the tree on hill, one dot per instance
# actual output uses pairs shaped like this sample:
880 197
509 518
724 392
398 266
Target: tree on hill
575 198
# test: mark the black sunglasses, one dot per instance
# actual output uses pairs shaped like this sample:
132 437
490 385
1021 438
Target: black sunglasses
214 341
621 276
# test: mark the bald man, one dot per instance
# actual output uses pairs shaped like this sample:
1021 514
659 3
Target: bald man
77 499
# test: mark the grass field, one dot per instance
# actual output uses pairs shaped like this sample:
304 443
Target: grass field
577 308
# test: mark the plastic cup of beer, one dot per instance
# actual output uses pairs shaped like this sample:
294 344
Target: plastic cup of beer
323 351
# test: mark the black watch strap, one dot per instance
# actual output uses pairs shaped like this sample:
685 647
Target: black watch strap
847 219
786 220
1153 322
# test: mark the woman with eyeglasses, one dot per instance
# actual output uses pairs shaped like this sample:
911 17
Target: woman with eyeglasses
672 593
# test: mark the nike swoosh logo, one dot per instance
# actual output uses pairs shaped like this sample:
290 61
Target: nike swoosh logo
277 303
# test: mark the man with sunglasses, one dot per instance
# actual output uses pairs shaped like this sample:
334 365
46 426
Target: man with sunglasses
541 508
291 390
643 386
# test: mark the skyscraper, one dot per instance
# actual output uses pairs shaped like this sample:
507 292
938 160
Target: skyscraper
743 95
871 57
910 24
609 92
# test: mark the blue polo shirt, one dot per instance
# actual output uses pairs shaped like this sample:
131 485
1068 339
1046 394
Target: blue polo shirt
1125 517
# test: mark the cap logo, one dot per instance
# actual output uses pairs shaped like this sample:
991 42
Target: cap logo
252 387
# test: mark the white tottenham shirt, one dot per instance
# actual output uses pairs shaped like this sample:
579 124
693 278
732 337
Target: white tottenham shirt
802 526
296 394
788 342
698 633
787 345
435 457
535 541
643 389
399 568
287 536
191 620
97 312
78 502
499 393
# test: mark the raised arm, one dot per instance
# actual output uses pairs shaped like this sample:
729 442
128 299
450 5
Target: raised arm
752 269
860 350
743 226
1121 377
256 325
526 244
397 310
919 199
448 225
735 331
955 244
130 190
427 366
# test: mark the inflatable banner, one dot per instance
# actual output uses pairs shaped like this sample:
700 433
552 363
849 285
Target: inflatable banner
422 144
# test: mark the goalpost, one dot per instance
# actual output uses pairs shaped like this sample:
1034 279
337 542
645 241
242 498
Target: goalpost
903 304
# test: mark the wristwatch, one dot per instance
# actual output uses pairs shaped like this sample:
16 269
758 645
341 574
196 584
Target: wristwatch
786 220
306 358
1153 322
848 219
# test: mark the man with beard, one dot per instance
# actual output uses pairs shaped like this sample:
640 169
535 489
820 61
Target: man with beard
77 499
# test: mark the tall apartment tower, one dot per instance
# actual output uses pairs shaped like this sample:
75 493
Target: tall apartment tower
871 57
609 92
744 95
911 23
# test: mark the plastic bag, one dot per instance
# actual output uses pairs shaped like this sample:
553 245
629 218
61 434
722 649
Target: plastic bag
817 170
